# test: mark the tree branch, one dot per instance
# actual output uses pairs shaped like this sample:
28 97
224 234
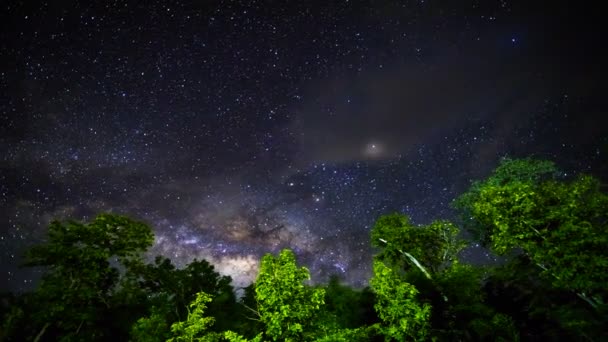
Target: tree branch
412 259
46 325
252 310
581 295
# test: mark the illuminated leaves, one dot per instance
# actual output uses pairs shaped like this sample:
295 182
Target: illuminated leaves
561 226
403 317
196 326
286 306
434 246
529 171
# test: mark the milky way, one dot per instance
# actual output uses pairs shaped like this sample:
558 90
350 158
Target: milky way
240 128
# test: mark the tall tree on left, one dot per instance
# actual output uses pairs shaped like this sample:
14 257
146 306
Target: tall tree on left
82 263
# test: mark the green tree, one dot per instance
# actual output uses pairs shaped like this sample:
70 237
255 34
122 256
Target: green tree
161 280
403 317
508 171
560 226
75 292
428 248
361 334
167 292
286 306
557 229
196 326
427 257
153 328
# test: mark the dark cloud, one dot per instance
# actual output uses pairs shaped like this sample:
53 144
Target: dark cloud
403 106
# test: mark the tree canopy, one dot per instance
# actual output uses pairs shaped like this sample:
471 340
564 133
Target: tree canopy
286 306
560 225
76 291
551 230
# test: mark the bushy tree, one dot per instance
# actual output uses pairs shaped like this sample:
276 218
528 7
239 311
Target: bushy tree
196 326
428 248
286 306
74 296
427 257
558 230
403 316
552 223
168 291
526 170
152 328
552 231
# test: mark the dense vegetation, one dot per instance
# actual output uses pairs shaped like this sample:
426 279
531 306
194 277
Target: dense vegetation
552 231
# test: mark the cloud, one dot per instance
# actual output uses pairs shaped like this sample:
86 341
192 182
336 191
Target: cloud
406 104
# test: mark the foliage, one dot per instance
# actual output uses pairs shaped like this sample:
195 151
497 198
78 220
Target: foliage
73 243
196 326
250 325
350 308
432 246
510 170
153 328
75 292
559 228
467 314
170 290
403 317
286 306
553 232
361 334
11 321
231 336
539 310
452 289
552 222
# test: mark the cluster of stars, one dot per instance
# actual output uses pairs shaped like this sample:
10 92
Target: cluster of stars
238 128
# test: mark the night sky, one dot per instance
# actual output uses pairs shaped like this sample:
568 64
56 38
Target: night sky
236 128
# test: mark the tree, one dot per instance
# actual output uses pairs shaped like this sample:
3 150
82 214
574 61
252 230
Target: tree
556 226
562 227
427 257
509 170
286 306
403 317
75 291
165 286
350 307
12 316
153 328
250 324
467 315
196 327
540 312
167 293
428 248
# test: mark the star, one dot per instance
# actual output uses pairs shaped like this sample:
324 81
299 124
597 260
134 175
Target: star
239 131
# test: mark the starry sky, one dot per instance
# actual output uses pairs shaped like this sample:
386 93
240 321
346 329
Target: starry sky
236 128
